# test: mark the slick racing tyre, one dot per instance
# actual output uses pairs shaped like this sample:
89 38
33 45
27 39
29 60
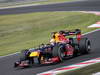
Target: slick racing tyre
84 46
58 51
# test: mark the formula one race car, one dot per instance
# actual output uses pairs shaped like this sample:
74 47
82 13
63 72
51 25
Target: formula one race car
56 52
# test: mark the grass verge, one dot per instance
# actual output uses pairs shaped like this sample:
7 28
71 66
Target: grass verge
89 70
22 31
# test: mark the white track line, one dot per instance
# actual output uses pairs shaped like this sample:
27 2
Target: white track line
82 34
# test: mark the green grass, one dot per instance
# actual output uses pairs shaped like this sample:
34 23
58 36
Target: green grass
84 71
29 30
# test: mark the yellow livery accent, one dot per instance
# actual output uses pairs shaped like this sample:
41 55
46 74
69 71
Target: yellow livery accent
33 54
57 37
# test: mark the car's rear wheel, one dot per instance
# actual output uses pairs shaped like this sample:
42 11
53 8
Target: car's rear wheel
84 46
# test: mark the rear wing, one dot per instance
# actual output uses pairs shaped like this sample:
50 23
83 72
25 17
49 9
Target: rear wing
72 32
76 32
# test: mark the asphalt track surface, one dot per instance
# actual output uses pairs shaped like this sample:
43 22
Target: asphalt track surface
87 5
6 63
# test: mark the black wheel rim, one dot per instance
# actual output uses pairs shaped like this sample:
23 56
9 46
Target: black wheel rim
88 46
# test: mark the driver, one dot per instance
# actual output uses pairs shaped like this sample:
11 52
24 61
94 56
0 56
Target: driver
62 37
59 37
